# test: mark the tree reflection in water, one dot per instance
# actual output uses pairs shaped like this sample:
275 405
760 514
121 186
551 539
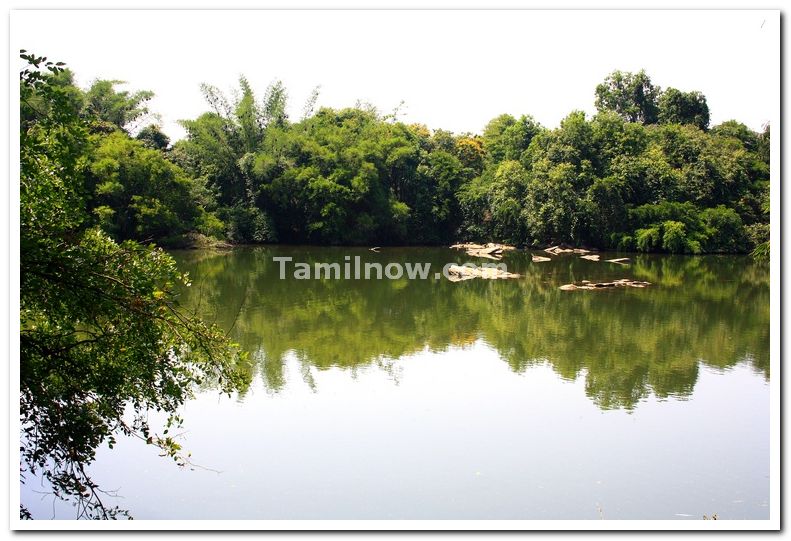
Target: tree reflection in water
627 343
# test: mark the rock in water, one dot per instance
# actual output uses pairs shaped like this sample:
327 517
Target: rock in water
468 246
460 272
489 250
623 282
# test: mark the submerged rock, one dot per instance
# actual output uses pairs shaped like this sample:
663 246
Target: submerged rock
540 259
623 282
555 250
467 246
565 249
460 272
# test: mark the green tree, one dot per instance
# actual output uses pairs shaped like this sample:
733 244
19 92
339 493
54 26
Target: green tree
221 142
435 215
606 199
152 136
553 205
676 107
123 109
506 196
724 230
101 332
495 143
631 95
137 193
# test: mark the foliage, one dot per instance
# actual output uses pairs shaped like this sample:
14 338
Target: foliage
247 173
120 108
725 230
248 225
631 95
676 107
138 194
103 340
152 136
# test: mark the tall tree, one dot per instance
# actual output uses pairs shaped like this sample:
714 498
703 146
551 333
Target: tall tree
631 95
121 108
676 107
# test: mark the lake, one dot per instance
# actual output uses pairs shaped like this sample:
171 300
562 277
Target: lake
482 399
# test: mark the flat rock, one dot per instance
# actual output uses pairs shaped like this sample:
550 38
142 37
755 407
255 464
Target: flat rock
487 273
540 259
555 250
490 250
489 246
468 246
593 257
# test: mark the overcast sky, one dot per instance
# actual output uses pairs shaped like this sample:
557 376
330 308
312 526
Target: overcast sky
454 70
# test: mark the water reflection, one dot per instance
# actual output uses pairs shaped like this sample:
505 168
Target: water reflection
628 343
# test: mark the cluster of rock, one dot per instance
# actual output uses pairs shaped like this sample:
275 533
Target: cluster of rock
556 250
595 257
457 273
490 250
584 254
587 284
495 251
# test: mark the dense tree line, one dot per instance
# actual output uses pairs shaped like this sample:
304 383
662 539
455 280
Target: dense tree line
646 173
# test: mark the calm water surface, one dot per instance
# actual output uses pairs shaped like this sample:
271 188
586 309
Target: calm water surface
481 399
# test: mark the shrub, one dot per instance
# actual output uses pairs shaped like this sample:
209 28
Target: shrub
674 238
248 225
724 229
648 239
211 226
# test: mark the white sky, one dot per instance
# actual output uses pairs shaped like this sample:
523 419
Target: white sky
454 69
